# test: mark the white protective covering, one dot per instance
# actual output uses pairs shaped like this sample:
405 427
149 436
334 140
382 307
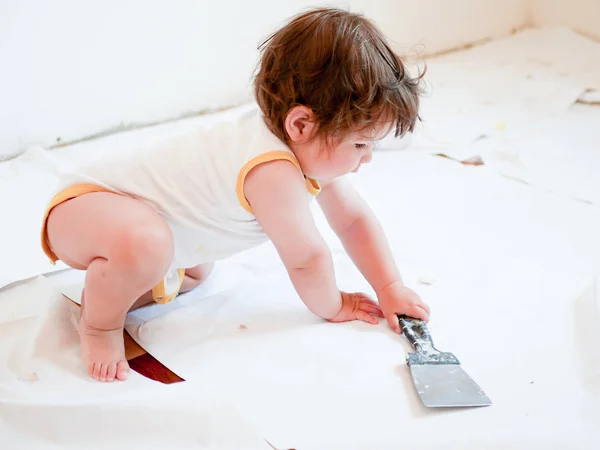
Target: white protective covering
509 269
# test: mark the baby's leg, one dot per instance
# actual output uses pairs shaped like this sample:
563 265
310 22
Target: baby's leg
126 247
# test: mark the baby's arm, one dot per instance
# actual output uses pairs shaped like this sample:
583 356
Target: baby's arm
364 239
277 194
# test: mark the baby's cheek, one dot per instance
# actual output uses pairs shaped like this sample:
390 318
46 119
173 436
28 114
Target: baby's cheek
353 162
344 163
346 166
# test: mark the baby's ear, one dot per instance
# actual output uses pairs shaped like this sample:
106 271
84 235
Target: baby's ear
300 124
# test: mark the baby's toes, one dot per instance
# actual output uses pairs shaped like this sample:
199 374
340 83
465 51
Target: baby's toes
96 371
122 370
103 371
111 372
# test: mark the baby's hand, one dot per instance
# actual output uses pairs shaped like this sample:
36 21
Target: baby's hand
358 306
397 299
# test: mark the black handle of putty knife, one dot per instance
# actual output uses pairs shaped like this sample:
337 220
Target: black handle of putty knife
416 332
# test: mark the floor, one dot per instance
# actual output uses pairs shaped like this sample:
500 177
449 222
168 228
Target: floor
506 252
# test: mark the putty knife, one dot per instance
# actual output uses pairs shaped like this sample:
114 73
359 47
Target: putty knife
438 377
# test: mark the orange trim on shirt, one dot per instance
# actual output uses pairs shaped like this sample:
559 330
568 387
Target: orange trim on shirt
311 185
66 194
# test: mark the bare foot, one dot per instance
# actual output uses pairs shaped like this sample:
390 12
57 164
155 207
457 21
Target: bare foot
103 352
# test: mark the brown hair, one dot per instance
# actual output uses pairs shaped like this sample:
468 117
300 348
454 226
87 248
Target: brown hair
340 66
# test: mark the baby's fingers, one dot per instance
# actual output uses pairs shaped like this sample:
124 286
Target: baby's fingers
364 298
425 307
419 312
366 317
414 311
371 308
392 320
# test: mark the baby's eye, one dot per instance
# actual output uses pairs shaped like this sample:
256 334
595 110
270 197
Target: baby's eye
359 146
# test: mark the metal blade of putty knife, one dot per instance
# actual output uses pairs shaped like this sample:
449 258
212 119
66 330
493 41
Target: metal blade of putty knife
438 377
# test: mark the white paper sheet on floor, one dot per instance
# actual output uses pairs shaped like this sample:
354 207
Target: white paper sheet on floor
25 184
513 298
47 400
512 102
561 153
501 88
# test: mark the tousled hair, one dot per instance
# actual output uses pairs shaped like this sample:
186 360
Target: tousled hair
340 66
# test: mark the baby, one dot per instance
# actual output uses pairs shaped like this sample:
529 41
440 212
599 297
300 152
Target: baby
151 223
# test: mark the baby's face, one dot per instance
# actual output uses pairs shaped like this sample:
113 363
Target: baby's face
325 161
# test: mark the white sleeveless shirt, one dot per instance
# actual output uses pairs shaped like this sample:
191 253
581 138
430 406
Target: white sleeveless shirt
196 182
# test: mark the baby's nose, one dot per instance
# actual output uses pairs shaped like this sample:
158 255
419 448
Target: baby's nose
366 159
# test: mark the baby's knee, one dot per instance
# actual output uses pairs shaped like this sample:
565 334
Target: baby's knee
147 248
195 276
201 272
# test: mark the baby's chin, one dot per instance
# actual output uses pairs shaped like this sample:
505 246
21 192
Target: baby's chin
317 175
328 174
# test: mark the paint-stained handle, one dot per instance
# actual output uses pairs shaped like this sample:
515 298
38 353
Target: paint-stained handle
416 332
418 335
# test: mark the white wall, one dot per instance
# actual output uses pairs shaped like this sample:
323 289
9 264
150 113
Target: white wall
580 15
72 68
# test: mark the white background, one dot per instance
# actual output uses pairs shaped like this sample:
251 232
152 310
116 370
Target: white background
70 69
